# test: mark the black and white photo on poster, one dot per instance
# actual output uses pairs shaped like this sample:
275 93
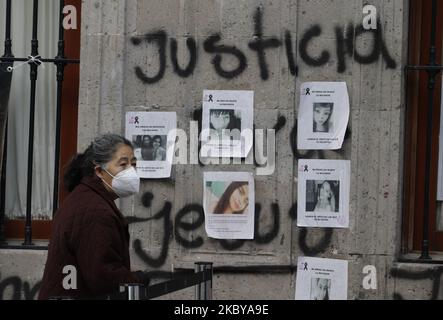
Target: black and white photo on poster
323 115
321 279
150 147
153 147
223 121
228 202
227 123
323 193
320 288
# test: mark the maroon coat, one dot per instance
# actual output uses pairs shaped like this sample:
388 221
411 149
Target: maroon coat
89 233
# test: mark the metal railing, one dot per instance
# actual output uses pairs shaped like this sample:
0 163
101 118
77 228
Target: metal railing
34 60
201 279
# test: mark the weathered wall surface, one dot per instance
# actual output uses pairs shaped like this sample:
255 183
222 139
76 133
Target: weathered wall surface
128 63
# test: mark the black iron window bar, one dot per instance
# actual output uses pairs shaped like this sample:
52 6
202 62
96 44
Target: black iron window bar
432 69
34 60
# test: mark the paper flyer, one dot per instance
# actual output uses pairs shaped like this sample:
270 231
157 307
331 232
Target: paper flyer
154 150
228 201
227 124
321 279
323 193
323 115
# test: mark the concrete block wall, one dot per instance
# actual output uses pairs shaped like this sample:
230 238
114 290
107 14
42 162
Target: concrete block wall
113 46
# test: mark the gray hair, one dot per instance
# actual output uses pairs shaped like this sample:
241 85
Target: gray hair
104 147
99 152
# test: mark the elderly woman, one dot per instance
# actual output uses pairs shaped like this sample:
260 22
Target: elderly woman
89 231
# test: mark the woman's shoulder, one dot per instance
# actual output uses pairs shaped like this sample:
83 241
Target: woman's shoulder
83 200
80 208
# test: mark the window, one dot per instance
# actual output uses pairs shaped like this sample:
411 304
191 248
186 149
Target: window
14 189
417 111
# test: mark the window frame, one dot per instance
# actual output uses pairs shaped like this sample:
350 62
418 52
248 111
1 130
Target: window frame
14 229
415 130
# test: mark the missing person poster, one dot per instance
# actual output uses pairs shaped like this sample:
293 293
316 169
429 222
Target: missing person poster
148 132
323 193
227 123
323 115
228 201
321 279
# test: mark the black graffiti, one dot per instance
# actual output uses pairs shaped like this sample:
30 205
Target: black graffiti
210 46
182 225
259 45
293 212
258 238
316 249
147 199
312 32
319 247
192 48
345 47
17 285
146 202
197 115
31 292
160 38
165 213
272 234
281 122
179 224
433 274
231 244
293 68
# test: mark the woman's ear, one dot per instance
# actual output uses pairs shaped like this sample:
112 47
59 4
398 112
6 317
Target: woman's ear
99 171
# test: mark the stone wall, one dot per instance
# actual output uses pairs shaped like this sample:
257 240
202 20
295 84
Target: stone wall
314 40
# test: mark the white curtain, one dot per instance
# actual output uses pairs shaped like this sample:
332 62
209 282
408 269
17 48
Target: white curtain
440 172
18 112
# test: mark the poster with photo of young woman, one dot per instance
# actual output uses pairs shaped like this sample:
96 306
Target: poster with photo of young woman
323 115
321 279
227 123
323 193
148 132
228 201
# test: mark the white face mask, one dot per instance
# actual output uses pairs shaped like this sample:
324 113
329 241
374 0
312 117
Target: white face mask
125 183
